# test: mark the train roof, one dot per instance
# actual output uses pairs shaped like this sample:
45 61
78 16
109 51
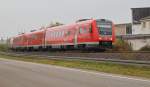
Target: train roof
70 25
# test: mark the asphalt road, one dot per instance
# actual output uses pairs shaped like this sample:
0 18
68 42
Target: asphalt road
24 74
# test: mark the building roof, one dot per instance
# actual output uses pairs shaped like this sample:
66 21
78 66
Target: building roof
139 13
123 24
137 36
140 8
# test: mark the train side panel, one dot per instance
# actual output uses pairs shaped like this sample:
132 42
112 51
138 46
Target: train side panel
36 39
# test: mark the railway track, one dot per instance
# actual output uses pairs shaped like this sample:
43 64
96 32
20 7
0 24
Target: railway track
78 57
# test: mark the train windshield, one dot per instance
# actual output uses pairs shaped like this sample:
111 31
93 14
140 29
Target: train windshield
104 27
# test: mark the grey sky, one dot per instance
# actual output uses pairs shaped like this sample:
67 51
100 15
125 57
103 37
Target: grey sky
24 15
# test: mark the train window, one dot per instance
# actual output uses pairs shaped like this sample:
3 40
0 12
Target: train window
80 30
33 36
54 34
68 33
90 28
51 34
85 30
57 34
62 33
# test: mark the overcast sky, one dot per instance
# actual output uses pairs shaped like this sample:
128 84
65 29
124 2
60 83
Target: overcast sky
24 15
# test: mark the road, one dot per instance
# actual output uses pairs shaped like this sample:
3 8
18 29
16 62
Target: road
24 74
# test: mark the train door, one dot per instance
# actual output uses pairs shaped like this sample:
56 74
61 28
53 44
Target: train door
76 37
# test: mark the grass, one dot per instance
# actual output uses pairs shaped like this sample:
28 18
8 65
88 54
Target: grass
3 47
108 67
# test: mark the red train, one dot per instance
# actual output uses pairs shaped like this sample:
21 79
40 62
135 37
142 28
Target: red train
82 34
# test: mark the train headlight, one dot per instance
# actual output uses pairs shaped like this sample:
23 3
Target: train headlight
110 38
100 38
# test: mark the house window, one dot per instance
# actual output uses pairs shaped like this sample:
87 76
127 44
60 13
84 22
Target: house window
149 24
129 29
144 24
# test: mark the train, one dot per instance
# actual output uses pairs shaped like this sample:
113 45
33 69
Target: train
89 33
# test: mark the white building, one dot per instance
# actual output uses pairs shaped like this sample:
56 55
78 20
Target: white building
143 27
140 36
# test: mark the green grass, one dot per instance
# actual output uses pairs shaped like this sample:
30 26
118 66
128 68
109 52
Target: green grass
108 67
3 47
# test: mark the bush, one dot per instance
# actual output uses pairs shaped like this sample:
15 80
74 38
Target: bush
3 47
121 45
145 48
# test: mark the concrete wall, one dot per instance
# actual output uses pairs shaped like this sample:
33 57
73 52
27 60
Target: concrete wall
136 29
145 27
137 44
136 41
120 29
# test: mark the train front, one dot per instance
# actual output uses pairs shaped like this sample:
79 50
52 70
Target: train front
106 32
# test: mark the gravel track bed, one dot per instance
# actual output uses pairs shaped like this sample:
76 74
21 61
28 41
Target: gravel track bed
145 56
